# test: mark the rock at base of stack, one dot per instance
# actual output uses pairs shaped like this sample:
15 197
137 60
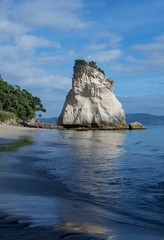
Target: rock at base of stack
136 125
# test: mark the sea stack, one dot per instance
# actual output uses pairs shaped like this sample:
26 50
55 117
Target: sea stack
91 102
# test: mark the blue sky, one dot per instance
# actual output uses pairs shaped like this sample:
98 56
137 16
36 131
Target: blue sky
39 41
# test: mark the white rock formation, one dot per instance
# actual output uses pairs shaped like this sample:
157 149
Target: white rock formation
136 125
91 102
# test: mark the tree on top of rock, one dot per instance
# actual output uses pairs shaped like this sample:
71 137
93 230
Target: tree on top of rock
91 64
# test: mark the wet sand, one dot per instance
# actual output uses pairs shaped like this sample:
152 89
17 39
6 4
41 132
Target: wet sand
71 219
7 131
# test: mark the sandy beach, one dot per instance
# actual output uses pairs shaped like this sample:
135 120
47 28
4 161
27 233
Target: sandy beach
49 201
8 131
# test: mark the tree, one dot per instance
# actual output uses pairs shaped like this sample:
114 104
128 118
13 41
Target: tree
91 64
19 101
94 65
80 61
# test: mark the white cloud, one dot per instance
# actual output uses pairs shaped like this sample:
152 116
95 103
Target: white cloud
145 57
156 45
61 14
150 55
105 55
96 46
55 59
104 41
21 17
24 50
28 55
126 68
40 39
109 39
20 67
26 73
10 30
29 42
104 48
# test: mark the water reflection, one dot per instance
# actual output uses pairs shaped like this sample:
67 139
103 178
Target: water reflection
83 227
91 160
13 145
99 143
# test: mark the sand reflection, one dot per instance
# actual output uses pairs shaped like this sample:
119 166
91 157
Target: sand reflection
83 227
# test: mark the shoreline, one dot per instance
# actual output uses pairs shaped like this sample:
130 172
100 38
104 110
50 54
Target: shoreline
14 131
30 124
35 124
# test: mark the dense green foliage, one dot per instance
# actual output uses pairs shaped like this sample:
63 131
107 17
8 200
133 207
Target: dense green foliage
94 65
80 61
19 101
91 64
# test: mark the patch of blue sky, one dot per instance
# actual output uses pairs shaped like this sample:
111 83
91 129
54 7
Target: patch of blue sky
39 41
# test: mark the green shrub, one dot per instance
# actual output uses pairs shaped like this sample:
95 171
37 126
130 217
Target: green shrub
91 64
94 65
4 116
80 61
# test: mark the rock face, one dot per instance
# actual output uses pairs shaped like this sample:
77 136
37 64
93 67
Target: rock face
91 102
136 125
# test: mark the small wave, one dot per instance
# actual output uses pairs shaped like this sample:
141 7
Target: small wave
138 143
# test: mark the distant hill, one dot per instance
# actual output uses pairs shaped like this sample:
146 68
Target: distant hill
52 120
144 118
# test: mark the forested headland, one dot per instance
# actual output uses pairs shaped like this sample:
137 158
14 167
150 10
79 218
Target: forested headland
17 103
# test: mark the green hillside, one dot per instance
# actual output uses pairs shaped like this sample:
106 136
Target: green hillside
52 120
18 101
144 118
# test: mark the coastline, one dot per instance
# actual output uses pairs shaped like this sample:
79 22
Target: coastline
13 131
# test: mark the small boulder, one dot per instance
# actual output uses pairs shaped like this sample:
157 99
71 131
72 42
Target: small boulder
136 125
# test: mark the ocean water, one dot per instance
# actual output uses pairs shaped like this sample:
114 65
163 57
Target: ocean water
110 176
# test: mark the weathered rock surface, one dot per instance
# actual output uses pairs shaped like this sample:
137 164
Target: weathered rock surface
91 102
31 123
37 124
136 125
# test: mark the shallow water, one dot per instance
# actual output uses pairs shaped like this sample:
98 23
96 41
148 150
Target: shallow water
112 176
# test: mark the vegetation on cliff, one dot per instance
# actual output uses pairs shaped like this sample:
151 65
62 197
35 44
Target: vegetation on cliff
5 116
91 64
18 102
